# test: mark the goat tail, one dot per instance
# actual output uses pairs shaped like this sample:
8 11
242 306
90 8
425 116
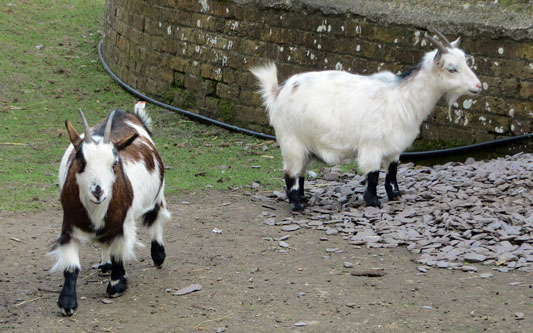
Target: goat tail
141 113
268 82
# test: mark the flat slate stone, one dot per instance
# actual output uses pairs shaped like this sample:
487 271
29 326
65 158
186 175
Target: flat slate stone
292 227
187 290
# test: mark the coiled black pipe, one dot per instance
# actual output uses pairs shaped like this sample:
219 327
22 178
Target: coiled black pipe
406 155
176 109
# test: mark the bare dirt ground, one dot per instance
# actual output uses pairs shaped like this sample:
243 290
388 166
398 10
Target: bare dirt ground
248 283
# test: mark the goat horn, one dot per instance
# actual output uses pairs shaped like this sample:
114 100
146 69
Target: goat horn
107 131
88 138
443 38
438 44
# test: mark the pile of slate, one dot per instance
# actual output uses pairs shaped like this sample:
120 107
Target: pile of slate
451 215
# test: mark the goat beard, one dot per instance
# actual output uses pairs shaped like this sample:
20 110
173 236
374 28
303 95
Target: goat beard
451 98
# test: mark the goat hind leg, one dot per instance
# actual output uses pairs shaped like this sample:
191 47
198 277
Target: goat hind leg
295 161
118 283
154 220
301 181
294 194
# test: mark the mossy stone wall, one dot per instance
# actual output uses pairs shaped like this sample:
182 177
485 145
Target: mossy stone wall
196 54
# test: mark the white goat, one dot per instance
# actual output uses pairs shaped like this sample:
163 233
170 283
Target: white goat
109 177
334 115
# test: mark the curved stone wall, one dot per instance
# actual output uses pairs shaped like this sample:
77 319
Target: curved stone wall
195 54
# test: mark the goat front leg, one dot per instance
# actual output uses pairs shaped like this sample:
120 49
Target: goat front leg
68 300
370 196
68 260
118 283
391 183
294 193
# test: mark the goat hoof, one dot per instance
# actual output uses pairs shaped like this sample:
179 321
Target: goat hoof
105 268
374 203
158 254
116 288
67 304
371 201
297 206
394 195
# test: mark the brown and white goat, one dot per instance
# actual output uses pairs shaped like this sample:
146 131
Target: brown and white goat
110 176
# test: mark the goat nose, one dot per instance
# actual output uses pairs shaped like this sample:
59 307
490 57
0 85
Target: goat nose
478 85
97 192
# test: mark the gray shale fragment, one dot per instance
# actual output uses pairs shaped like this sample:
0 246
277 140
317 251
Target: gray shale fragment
452 214
291 227
348 264
187 290
474 257
283 244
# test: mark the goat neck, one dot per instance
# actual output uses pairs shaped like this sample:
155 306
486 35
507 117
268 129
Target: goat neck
421 90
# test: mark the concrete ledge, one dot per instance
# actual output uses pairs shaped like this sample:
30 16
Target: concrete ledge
508 18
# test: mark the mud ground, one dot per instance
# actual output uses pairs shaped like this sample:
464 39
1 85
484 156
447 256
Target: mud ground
248 283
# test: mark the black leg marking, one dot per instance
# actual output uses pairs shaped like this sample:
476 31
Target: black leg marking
150 217
391 183
158 253
118 283
105 268
295 197
370 196
301 181
67 301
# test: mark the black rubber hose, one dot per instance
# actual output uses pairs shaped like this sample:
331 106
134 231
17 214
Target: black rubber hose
176 109
407 155
465 149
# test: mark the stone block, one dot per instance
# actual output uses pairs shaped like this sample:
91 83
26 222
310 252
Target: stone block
518 69
211 72
499 86
152 27
250 97
227 91
526 89
253 47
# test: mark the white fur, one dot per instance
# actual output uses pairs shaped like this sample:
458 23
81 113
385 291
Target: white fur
145 186
156 230
140 112
67 257
123 247
337 115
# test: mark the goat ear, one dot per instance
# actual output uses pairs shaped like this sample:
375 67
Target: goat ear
437 60
122 144
456 43
73 134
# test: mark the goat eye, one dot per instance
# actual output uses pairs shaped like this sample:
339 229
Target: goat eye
452 70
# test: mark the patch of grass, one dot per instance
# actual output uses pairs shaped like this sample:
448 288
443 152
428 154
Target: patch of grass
50 68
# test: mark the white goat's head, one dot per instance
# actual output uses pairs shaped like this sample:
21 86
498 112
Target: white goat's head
450 62
97 160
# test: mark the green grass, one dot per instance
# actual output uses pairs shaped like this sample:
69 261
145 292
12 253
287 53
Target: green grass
41 88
